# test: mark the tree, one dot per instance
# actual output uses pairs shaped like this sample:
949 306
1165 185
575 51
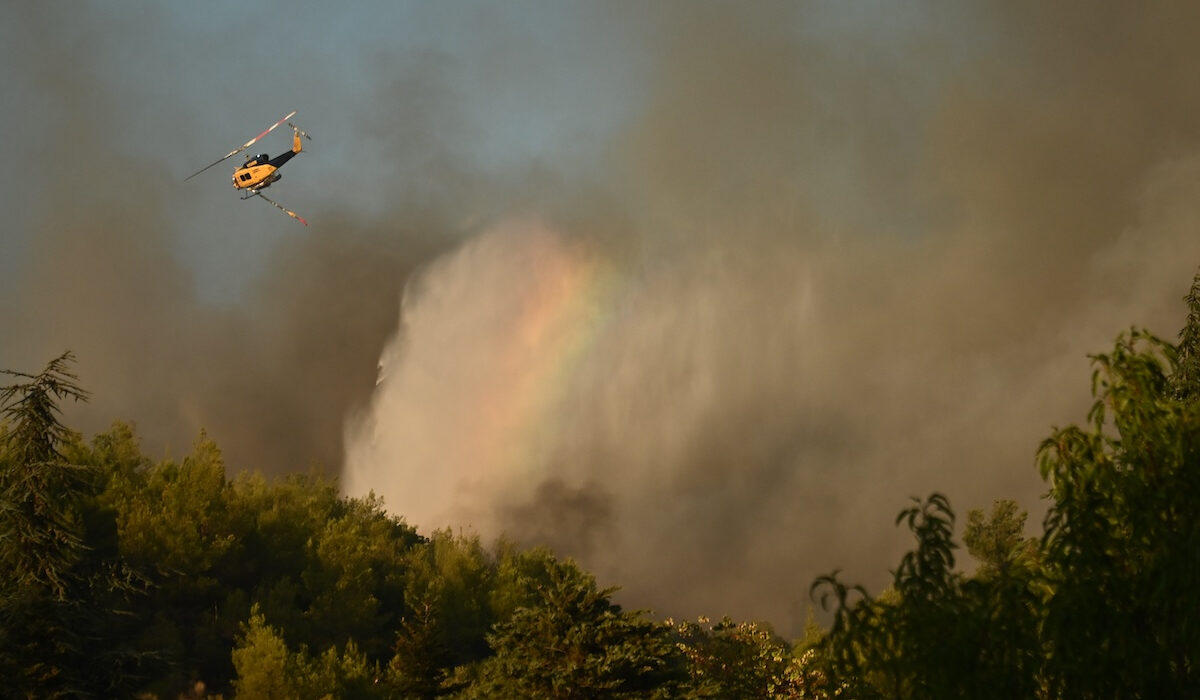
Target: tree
43 534
338 675
174 523
997 541
1122 542
935 634
1104 607
1185 377
449 582
743 660
65 595
267 669
355 579
576 643
264 665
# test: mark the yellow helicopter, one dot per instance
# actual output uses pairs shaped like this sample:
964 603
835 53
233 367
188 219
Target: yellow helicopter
260 171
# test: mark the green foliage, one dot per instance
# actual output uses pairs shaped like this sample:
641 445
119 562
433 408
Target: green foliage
264 665
1122 543
65 597
41 531
521 575
937 634
1103 606
926 574
356 576
338 675
174 523
1185 378
176 520
325 568
447 594
267 669
744 660
369 609
1099 607
997 541
575 643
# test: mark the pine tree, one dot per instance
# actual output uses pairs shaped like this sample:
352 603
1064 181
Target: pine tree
40 537
63 603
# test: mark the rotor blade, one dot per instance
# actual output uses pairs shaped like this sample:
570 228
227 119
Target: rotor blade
189 177
278 206
300 131
243 147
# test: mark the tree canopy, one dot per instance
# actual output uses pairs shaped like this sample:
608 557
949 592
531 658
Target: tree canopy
1101 606
124 576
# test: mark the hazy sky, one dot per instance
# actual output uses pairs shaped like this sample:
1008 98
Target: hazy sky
699 293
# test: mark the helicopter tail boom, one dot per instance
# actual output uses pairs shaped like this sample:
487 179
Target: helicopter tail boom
297 132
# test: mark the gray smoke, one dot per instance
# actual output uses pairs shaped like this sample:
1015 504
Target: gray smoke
850 267
699 293
99 258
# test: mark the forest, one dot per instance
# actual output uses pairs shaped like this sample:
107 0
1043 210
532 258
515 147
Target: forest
127 577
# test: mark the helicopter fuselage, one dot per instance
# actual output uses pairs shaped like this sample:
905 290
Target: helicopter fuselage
259 171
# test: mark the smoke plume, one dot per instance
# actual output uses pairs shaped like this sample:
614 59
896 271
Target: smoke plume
98 263
698 293
841 271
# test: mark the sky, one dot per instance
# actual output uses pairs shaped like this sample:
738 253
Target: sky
698 293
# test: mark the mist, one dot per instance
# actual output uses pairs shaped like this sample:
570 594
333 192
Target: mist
698 294
828 275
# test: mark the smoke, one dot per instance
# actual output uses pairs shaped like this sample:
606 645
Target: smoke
839 270
699 294
98 260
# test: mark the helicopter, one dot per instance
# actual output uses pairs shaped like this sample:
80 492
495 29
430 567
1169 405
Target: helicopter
259 171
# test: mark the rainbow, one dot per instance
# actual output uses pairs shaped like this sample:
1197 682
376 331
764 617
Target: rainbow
566 309
474 389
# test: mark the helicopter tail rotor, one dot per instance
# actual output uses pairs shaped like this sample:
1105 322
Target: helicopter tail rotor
299 131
